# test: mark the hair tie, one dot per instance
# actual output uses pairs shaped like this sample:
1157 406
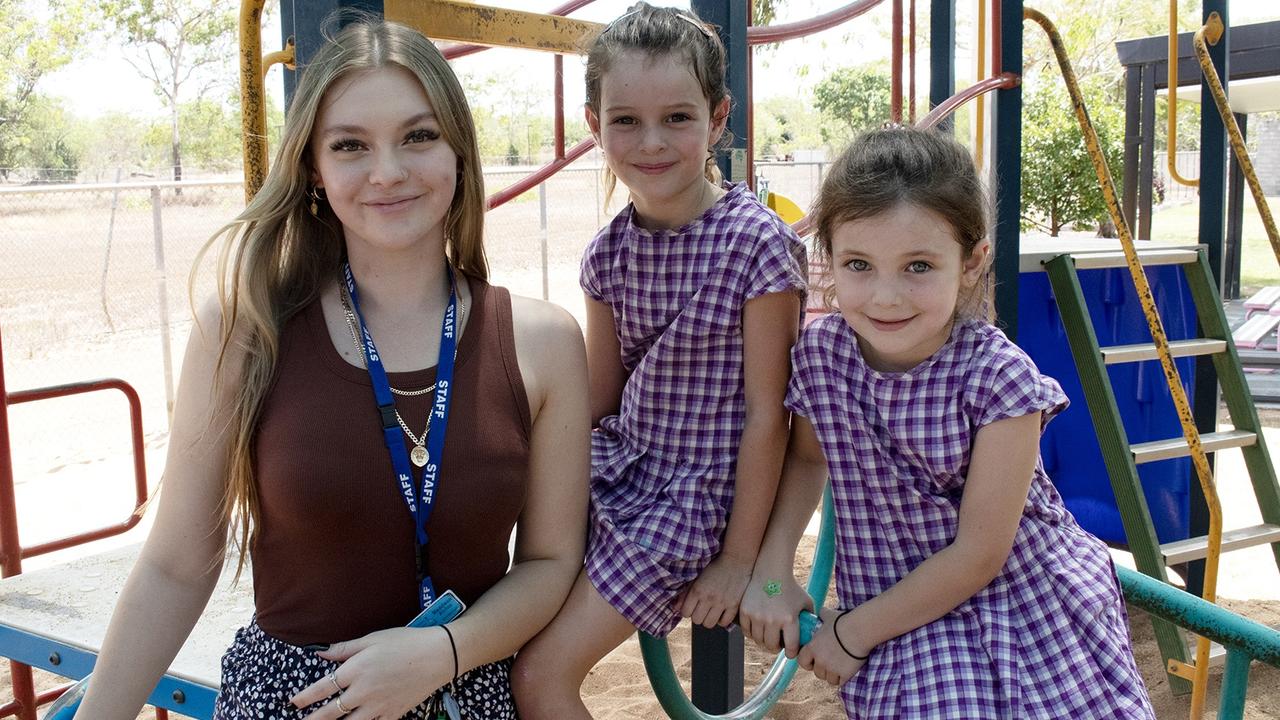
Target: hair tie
835 630
454 649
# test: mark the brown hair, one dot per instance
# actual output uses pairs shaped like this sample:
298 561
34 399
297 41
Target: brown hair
659 31
275 258
885 168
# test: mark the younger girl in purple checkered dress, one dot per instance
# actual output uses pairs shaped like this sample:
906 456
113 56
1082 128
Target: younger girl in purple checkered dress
694 295
968 591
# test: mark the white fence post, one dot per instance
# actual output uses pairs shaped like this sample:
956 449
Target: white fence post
162 293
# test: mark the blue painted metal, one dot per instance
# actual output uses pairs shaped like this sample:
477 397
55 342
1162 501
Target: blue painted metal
306 21
730 16
1007 142
76 663
942 56
1235 684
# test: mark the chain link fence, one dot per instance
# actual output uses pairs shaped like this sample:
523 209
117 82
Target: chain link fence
97 283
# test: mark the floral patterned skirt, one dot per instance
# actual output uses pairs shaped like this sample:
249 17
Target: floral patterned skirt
261 673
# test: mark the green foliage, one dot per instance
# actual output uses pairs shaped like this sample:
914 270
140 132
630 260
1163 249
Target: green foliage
31 47
786 124
212 132
1059 184
764 12
179 43
852 99
46 142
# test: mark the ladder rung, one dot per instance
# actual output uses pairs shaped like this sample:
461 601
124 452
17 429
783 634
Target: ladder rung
1197 548
1177 447
1177 348
1095 261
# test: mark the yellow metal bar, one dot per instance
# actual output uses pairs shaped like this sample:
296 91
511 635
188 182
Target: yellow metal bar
980 121
1211 32
1171 152
1156 326
498 27
285 56
253 101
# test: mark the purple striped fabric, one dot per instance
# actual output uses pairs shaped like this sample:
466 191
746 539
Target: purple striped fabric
1048 638
662 469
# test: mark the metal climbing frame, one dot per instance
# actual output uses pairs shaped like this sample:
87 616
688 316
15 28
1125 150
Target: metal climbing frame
1121 457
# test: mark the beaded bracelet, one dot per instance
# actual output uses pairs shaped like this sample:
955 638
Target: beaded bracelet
835 630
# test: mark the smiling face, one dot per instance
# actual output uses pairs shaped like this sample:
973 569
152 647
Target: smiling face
379 156
898 276
655 126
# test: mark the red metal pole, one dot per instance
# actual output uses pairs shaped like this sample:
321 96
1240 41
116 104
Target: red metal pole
559 118
911 67
895 91
765 34
24 691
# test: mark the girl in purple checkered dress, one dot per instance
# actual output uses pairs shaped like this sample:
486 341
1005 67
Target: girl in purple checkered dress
694 296
967 589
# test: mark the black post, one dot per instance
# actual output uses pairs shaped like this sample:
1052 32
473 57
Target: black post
942 56
1147 154
717 674
1007 141
1235 221
1132 142
1213 181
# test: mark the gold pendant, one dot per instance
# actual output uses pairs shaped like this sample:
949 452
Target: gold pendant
418 455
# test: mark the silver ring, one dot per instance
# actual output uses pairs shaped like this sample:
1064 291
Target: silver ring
333 678
343 708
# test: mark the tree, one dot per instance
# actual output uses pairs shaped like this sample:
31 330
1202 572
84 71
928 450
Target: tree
30 48
180 43
1059 184
786 124
852 99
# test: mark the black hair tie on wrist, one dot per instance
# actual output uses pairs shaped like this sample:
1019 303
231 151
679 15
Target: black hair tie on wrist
454 648
835 630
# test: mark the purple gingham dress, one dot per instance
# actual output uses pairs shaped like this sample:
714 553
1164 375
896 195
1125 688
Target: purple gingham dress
1048 638
662 469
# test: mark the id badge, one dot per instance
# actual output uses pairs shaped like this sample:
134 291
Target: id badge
445 609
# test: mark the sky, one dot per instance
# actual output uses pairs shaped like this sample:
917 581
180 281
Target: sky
103 81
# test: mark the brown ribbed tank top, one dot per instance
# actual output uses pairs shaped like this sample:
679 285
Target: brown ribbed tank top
334 558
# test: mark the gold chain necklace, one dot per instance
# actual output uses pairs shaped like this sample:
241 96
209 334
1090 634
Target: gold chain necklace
419 452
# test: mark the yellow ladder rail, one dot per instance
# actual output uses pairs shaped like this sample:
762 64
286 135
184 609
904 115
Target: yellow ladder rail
1172 135
1209 35
1161 341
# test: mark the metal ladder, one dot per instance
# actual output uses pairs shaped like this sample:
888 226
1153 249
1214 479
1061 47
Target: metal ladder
1122 458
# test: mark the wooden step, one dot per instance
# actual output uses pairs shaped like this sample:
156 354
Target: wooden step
1197 548
1177 447
1096 261
1177 348
1251 333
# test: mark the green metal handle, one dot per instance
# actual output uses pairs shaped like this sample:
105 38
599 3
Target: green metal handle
1243 638
662 673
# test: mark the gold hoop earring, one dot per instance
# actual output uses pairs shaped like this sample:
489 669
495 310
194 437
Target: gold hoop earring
316 197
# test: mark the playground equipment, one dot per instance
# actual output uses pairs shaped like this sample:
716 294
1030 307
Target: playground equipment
1091 359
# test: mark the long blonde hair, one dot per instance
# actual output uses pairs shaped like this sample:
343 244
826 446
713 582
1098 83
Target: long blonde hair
276 257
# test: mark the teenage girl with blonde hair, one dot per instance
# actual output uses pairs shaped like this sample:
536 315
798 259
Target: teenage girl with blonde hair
370 416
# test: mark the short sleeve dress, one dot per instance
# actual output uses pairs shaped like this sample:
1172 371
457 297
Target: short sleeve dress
1048 637
662 469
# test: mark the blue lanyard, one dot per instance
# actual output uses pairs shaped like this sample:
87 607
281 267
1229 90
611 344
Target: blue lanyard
420 504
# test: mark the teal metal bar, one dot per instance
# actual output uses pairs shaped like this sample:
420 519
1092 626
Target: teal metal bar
1244 639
